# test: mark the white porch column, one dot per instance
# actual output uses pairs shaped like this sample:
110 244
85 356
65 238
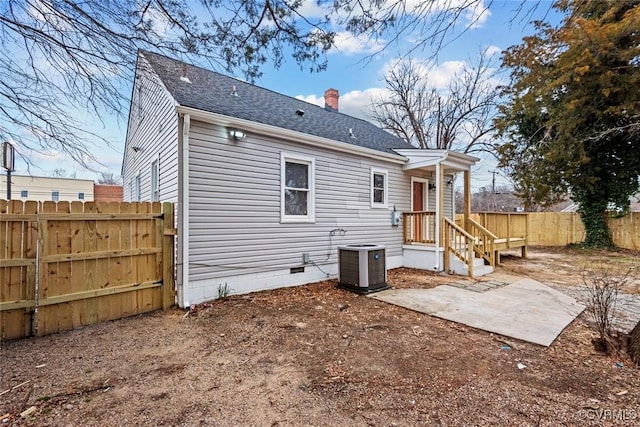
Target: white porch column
467 198
439 205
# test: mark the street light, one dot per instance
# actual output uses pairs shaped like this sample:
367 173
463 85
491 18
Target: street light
8 161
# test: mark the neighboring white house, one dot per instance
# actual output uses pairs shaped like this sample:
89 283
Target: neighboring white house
40 188
267 186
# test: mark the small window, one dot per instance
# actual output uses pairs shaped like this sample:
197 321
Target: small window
55 196
155 179
379 188
297 186
80 196
24 193
136 189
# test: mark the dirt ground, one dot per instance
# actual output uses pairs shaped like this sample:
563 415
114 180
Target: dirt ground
317 355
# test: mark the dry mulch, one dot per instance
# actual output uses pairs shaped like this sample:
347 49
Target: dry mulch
317 355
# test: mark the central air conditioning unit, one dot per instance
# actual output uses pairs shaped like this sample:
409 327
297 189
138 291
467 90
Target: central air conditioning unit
362 268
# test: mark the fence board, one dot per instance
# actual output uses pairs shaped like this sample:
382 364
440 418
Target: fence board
81 263
78 281
168 295
91 263
102 266
115 273
128 301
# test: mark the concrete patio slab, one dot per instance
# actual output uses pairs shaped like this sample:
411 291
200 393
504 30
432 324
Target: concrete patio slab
525 309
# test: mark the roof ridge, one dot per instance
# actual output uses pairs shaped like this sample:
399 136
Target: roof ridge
144 51
207 89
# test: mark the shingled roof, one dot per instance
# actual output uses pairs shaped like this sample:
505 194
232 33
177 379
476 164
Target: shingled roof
207 90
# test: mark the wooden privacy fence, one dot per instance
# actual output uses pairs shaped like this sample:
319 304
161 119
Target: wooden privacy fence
563 228
69 264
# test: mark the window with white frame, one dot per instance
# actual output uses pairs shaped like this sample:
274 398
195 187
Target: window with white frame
136 188
297 188
379 188
155 180
24 193
81 196
55 196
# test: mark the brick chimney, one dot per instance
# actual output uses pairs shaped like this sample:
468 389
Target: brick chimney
331 99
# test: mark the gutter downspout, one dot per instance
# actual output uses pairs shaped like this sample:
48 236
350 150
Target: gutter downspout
183 215
438 207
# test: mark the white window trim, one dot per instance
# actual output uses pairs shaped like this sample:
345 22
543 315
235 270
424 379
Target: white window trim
57 198
385 203
155 192
311 199
137 188
425 191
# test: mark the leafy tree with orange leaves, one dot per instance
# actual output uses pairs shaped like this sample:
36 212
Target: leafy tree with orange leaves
571 121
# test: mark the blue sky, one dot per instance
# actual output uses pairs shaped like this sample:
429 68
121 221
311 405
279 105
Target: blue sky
352 70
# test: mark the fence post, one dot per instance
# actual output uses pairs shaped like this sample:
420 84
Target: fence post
168 259
447 245
404 227
41 271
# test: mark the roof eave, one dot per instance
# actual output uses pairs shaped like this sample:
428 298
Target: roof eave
426 158
291 135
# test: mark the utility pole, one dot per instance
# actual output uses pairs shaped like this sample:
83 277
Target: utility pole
493 189
438 136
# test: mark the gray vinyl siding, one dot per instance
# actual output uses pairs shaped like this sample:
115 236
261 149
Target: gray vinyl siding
153 127
234 205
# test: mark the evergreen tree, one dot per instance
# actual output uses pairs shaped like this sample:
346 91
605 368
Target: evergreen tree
572 116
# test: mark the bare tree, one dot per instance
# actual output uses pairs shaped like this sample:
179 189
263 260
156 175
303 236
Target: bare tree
108 178
408 110
460 117
62 173
64 59
467 111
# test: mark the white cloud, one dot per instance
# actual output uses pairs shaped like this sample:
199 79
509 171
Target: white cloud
348 44
493 50
477 15
311 9
44 163
438 76
161 25
45 13
312 99
355 103
474 15
441 75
